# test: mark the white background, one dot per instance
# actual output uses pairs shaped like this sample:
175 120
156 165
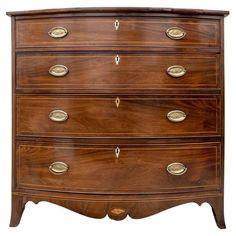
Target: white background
48 219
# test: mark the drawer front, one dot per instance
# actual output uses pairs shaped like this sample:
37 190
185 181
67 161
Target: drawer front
124 116
110 31
112 71
137 169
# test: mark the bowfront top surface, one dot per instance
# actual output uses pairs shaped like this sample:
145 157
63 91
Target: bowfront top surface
122 10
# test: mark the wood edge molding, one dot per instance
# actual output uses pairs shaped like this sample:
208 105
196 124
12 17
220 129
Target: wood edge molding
150 92
116 197
121 10
120 141
122 49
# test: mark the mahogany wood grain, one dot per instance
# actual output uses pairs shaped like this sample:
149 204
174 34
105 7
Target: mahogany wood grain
18 206
98 116
101 31
137 169
100 71
136 207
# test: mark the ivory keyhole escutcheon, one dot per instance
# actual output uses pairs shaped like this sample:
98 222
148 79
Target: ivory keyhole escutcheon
117 152
117 59
117 101
117 24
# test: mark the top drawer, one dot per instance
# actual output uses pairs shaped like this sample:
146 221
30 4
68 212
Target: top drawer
117 32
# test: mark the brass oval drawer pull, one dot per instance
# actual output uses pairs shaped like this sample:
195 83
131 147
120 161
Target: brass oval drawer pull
58 116
58 32
176 116
58 70
175 33
176 168
176 71
58 168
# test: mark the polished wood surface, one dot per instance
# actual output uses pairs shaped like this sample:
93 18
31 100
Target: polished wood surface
131 11
138 207
137 169
134 71
99 31
116 142
99 116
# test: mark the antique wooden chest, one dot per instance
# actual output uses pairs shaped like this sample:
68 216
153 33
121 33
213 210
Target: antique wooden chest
118 111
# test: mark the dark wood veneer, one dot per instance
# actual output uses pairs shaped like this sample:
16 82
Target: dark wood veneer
149 71
98 116
132 32
136 183
137 170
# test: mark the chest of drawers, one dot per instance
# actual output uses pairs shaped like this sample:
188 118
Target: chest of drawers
118 111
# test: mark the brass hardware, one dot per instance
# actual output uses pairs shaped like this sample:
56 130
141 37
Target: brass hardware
175 33
117 151
117 59
58 116
117 211
176 116
58 32
117 101
116 23
176 168
58 70
176 71
58 168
